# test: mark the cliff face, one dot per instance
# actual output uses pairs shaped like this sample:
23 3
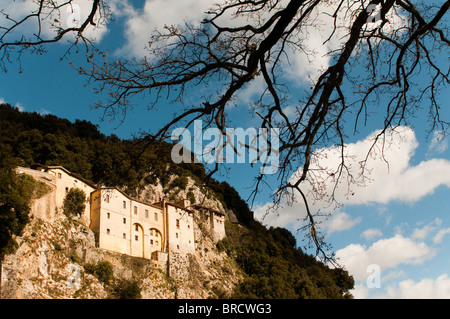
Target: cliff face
55 258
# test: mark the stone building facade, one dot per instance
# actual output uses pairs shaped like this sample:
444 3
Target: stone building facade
127 225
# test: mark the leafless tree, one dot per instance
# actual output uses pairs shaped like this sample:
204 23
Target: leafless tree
397 65
46 22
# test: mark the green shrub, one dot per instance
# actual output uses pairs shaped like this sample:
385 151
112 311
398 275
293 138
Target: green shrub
127 289
74 202
103 270
190 195
180 182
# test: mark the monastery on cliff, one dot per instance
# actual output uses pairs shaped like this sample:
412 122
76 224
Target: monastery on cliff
124 224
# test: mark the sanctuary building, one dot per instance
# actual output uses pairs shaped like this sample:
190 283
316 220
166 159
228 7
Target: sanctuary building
128 225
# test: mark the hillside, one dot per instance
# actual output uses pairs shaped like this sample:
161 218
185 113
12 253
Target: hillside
251 262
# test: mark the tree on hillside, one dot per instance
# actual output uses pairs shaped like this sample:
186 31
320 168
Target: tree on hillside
74 202
381 54
16 193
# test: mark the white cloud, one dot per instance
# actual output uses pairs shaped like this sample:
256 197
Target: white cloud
140 24
371 233
422 233
437 239
438 144
340 222
388 176
50 21
386 253
426 288
20 106
319 37
43 112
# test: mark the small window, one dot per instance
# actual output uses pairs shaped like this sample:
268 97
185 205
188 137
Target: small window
67 189
107 198
176 235
151 232
135 210
136 238
124 236
156 216
108 215
178 223
178 246
124 204
108 231
136 227
146 213
59 175
124 220
151 241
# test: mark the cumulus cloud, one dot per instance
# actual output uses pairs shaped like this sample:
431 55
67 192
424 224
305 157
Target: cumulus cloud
427 288
387 253
437 239
371 233
140 23
425 231
438 144
388 176
340 222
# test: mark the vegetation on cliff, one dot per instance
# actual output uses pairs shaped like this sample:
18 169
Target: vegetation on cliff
274 266
16 192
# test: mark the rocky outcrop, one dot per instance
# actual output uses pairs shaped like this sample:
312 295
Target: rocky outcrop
53 256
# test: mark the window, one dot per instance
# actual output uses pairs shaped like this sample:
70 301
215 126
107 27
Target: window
67 189
124 220
124 204
124 236
146 213
136 238
151 241
156 217
135 210
108 215
136 227
107 198
178 223
151 232
178 246
108 231
59 175
176 235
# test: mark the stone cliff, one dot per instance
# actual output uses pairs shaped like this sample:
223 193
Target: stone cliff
57 258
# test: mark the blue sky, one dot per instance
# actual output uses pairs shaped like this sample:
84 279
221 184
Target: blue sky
400 220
